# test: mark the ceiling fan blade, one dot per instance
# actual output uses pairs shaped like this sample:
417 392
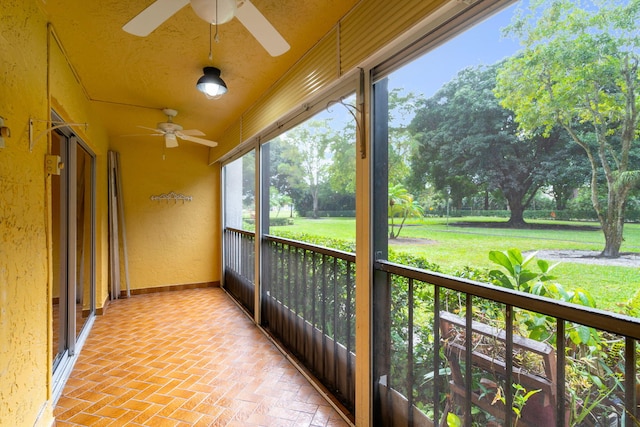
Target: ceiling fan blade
142 134
196 140
170 140
153 16
192 132
261 29
158 131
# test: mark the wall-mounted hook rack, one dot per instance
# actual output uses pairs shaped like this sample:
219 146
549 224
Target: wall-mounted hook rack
172 196
55 125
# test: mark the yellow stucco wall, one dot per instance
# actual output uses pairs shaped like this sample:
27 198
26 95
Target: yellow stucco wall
169 242
25 228
24 364
70 102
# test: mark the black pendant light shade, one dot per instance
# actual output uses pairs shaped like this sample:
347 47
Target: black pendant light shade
211 84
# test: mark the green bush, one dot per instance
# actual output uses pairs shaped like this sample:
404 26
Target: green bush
276 222
332 214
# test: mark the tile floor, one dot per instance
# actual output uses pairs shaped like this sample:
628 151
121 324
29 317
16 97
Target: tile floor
185 358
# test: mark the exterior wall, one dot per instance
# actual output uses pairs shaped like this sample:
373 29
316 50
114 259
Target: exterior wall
25 207
68 99
169 242
24 302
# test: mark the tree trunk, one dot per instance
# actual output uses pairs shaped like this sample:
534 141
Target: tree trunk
516 220
314 196
392 234
612 228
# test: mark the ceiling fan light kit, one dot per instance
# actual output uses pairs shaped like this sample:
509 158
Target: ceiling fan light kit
170 140
215 12
211 84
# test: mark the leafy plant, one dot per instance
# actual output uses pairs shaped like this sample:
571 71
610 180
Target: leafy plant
520 398
453 420
519 277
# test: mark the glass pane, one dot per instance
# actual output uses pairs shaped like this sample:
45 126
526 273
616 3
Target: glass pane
506 161
469 168
59 323
84 214
239 237
311 176
239 193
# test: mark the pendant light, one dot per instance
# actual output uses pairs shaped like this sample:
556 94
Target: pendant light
211 84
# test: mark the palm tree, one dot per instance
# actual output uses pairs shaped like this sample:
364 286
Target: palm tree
401 205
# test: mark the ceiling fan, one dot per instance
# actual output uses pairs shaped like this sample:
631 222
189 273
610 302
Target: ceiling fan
171 131
214 12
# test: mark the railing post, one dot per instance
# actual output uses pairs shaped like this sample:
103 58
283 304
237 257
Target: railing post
630 391
508 363
468 372
560 367
410 376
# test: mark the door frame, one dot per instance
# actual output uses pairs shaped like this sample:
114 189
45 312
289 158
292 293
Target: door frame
63 364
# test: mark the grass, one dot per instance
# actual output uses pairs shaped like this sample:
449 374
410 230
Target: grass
454 247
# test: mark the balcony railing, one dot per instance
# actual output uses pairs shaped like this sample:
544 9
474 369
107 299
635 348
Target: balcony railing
580 371
443 346
308 304
239 261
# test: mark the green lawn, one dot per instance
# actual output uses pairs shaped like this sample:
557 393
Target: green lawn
454 247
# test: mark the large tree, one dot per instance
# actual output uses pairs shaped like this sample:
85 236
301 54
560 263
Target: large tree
310 152
579 66
466 137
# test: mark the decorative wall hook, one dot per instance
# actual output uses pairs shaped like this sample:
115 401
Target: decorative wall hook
5 132
56 124
172 196
357 116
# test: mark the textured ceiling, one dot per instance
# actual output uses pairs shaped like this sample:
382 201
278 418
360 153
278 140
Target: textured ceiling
130 79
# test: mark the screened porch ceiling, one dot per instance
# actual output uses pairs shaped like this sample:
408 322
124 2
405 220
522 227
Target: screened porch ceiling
129 79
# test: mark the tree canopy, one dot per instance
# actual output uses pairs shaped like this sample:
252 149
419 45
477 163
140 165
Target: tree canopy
467 141
579 71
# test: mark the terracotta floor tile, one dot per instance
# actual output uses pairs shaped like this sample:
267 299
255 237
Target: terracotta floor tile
211 410
136 405
225 417
148 413
161 399
158 421
111 412
171 406
205 421
185 358
85 419
186 416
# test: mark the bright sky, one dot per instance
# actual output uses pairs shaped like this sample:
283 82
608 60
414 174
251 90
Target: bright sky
480 45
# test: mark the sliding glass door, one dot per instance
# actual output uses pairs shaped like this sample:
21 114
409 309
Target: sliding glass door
73 220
